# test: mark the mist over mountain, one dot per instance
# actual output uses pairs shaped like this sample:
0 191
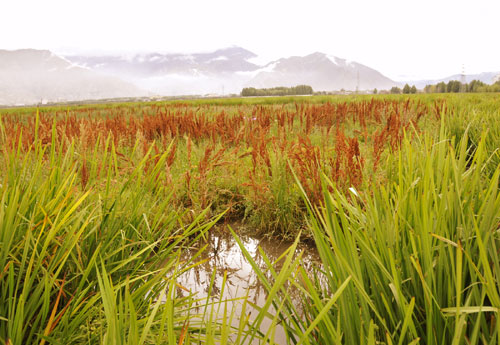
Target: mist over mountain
31 76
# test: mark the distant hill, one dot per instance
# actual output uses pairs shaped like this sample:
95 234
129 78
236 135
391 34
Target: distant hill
323 72
31 76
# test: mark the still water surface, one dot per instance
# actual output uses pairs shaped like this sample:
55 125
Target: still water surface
224 255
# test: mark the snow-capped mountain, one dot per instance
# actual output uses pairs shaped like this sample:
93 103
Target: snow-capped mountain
323 72
219 72
229 70
31 76
221 61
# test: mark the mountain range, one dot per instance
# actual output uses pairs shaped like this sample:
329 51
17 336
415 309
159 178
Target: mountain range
233 69
31 76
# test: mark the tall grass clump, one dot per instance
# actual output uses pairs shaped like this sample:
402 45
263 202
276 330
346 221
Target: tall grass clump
413 261
477 116
95 261
421 252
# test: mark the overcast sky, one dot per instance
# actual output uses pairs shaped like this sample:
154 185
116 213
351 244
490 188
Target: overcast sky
413 39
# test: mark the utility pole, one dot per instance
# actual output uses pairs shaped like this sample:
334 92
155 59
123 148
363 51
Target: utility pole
463 80
357 83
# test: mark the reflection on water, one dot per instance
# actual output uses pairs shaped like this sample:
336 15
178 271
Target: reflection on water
224 255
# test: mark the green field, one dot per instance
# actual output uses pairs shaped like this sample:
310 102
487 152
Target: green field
399 194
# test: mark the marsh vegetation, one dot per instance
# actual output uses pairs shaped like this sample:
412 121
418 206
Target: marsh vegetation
105 210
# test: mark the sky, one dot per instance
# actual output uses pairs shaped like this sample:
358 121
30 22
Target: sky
402 39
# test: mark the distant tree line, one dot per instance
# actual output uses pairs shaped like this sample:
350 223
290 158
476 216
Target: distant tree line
456 86
278 91
406 89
